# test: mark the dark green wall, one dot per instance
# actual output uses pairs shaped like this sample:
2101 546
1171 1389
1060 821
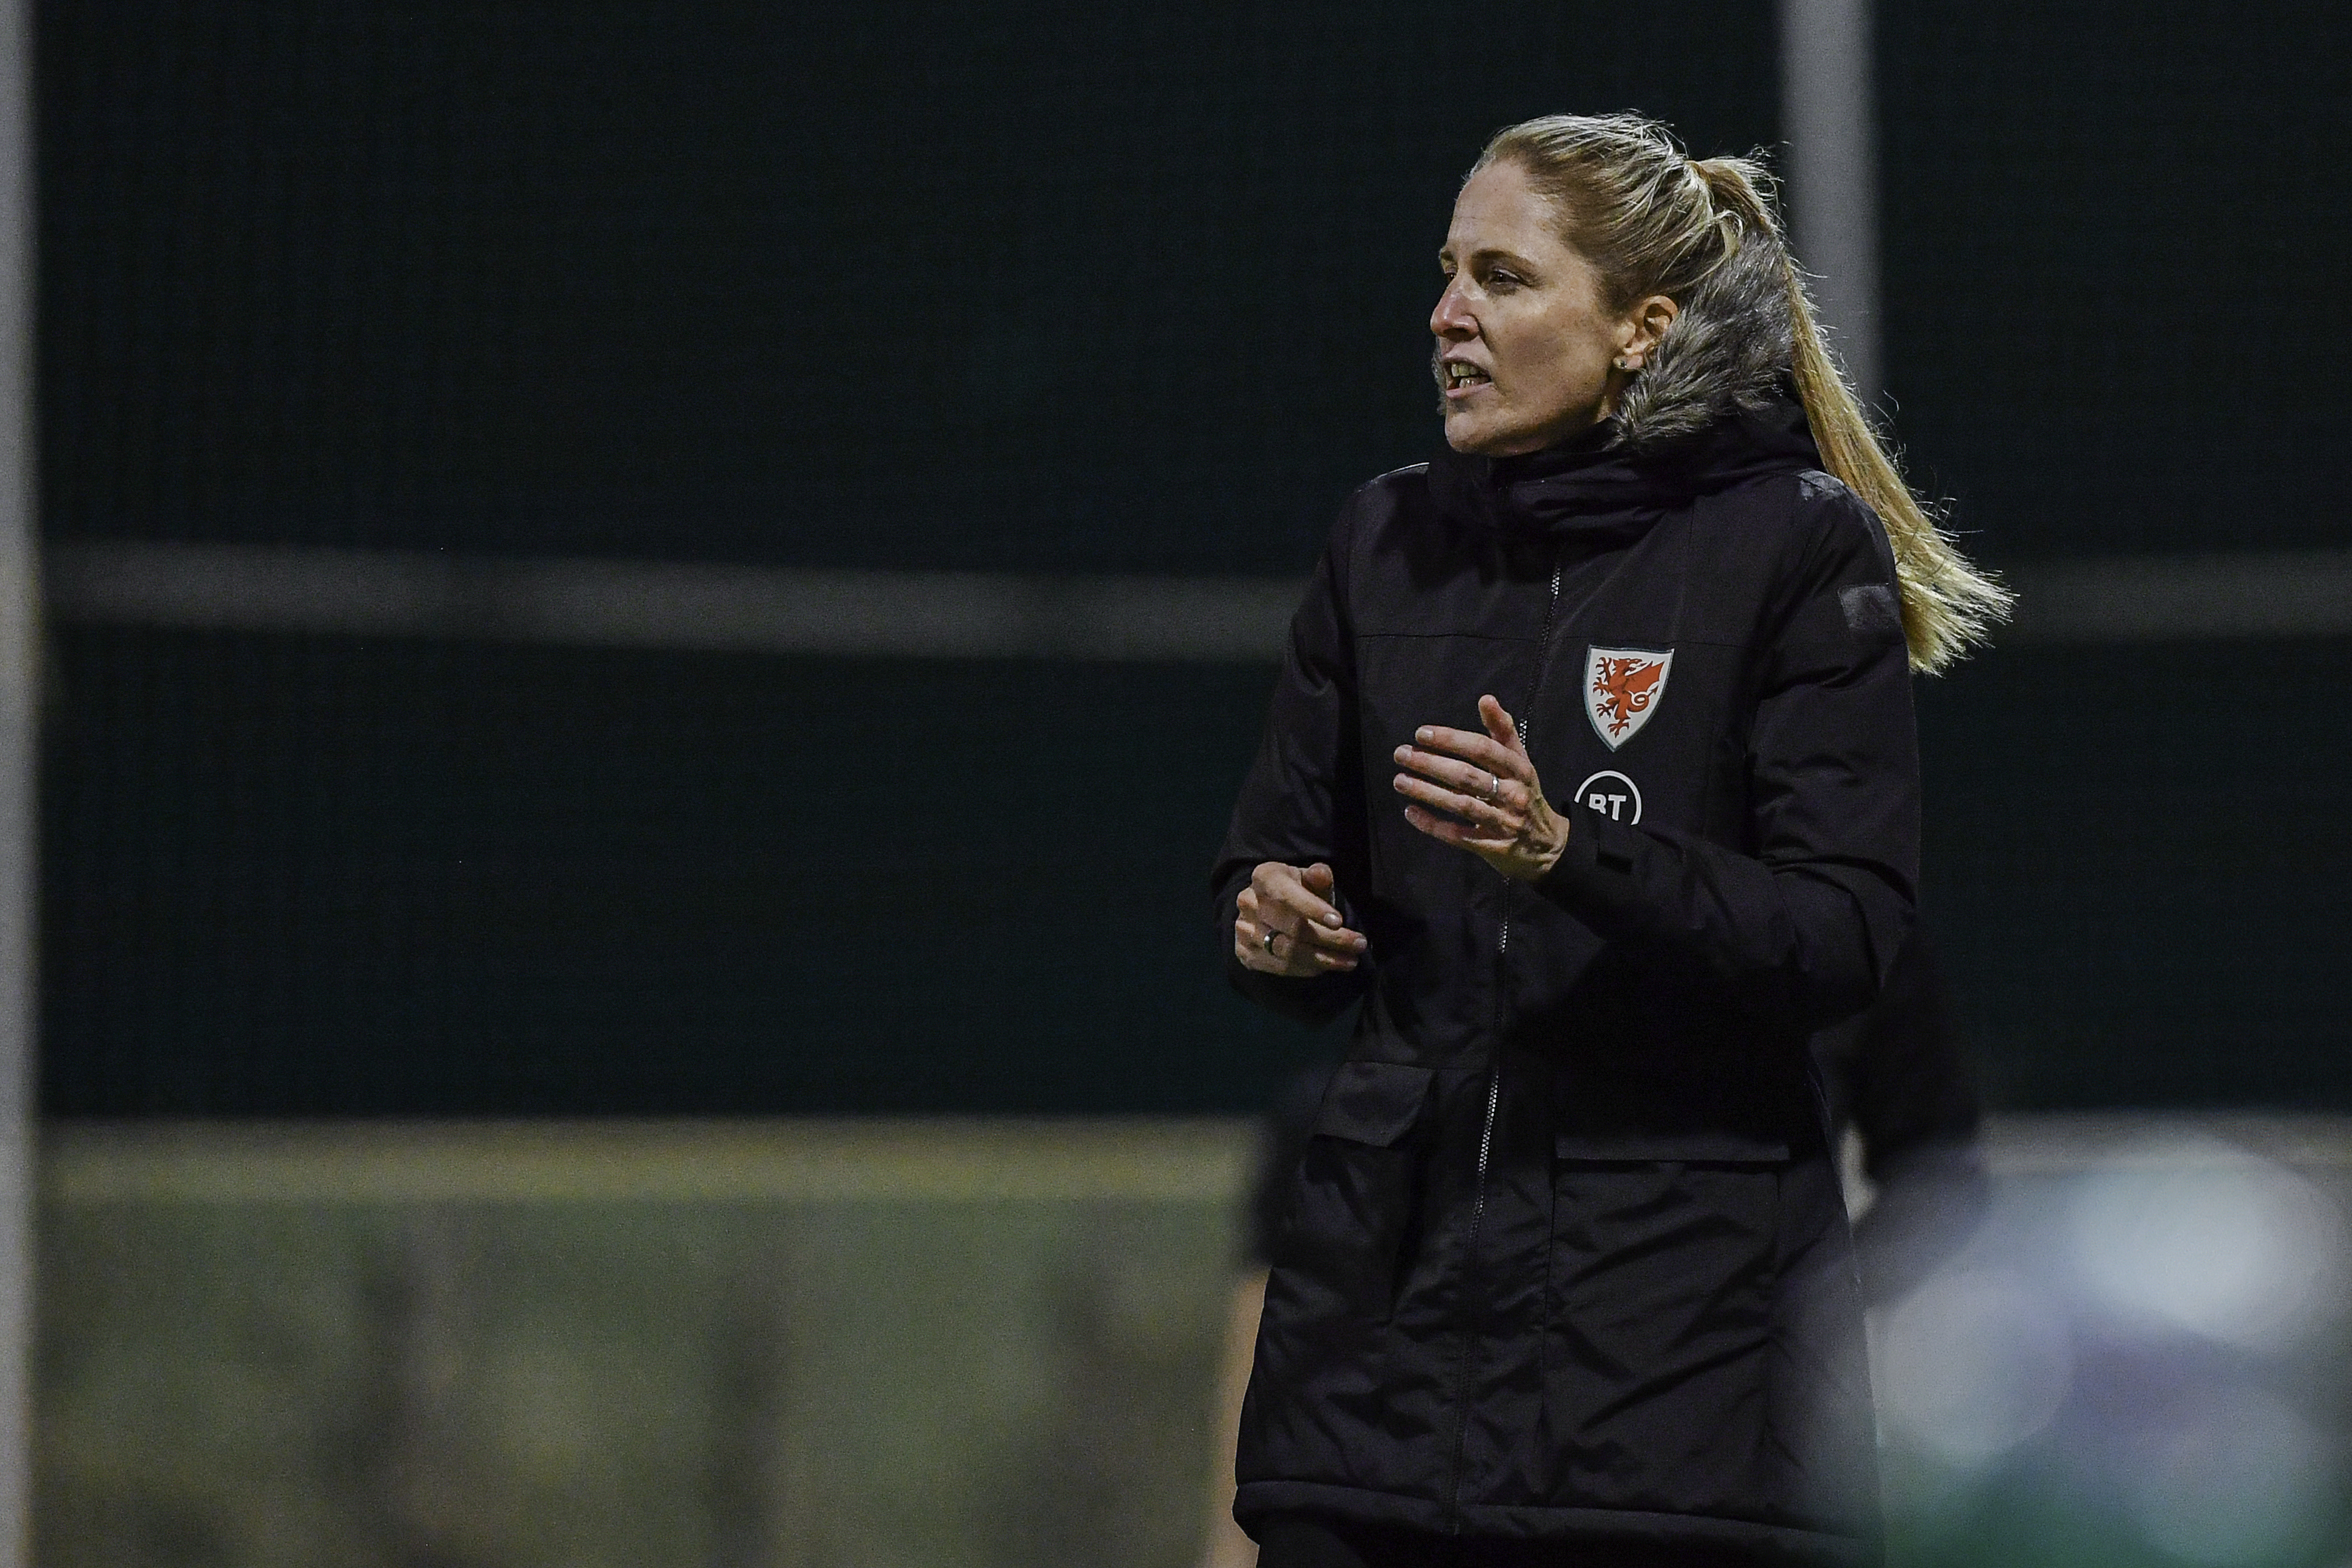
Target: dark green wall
2114 269
1049 288
2137 859
311 876
1029 285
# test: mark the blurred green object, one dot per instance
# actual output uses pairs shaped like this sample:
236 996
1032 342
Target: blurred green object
993 1343
694 1344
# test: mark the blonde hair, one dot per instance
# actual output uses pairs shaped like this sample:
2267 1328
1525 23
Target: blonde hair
1704 233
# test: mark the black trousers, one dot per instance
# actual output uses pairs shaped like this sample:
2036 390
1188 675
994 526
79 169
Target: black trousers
1302 1541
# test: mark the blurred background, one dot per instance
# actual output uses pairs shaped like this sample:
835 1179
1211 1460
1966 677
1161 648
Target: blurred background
654 611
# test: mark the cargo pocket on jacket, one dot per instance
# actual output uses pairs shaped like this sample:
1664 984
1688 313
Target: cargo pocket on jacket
1355 1205
1656 1356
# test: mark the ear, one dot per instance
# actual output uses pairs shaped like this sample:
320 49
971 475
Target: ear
1639 332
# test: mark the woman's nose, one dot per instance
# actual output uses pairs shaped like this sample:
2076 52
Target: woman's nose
1450 320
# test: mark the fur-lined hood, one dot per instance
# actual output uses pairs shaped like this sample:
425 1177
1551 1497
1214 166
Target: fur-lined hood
1715 406
1729 352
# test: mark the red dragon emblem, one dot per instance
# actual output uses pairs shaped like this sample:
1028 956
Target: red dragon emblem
1622 686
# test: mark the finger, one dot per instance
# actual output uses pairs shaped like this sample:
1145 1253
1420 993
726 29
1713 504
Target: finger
1304 956
1445 830
1500 725
1268 905
1269 876
1471 809
1255 931
1329 939
1292 927
1289 955
1433 796
1483 749
1292 907
1325 918
1286 904
1465 777
1251 944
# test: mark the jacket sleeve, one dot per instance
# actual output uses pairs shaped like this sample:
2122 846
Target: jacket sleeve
1303 799
1808 923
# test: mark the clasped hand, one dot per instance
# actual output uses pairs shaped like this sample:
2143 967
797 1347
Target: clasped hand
1480 792
1476 791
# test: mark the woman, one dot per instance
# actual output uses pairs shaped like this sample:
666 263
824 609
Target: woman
1590 773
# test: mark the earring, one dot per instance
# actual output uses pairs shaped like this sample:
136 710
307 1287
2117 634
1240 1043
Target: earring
1626 364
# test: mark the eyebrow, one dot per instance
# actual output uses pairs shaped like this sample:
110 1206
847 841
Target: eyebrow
1490 253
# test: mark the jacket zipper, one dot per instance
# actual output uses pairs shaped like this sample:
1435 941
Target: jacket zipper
1494 1091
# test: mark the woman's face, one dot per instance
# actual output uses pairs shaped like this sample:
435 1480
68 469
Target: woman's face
1525 351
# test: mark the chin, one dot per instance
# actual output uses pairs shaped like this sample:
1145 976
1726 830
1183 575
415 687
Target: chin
1472 437
1493 438
1475 438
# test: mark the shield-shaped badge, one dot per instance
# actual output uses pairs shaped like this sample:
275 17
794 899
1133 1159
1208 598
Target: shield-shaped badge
1622 687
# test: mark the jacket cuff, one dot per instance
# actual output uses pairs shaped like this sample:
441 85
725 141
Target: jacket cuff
1312 999
1594 878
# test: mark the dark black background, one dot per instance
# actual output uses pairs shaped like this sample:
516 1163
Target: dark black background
1042 287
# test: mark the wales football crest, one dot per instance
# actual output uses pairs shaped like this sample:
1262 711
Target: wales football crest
1622 687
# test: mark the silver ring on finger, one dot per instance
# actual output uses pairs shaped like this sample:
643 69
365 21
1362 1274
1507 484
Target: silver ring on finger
1268 943
1494 790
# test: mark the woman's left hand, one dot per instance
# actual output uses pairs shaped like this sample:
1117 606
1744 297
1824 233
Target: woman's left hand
1480 793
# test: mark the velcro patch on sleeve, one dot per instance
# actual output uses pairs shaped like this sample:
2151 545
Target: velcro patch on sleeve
1871 609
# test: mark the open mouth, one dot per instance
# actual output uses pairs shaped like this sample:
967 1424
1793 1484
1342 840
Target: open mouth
1458 378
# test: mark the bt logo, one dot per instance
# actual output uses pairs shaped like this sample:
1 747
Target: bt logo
1613 794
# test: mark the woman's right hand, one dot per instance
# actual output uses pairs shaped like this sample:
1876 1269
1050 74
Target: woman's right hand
1286 923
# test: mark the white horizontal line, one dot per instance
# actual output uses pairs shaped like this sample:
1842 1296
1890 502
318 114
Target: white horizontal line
911 614
995 615
2185 598
2061 1141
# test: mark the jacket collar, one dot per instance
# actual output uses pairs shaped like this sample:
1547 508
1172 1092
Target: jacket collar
1600 484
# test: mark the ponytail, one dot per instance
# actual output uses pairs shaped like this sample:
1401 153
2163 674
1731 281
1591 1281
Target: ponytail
1948 605
1705 233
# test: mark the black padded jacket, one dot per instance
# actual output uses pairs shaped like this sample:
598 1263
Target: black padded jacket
1564 1256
